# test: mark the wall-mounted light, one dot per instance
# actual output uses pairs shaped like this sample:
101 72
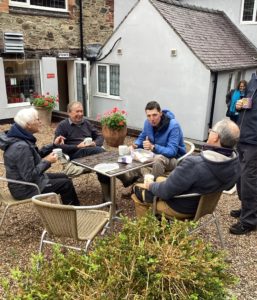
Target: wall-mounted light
173 52
119 51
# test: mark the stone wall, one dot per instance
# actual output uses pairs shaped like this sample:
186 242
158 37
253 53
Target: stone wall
51 30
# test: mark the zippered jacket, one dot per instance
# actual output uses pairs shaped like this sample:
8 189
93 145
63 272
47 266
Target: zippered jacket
167 139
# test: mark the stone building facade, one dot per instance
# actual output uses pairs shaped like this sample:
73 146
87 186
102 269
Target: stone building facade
53 39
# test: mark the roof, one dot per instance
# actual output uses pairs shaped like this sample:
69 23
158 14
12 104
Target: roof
210 34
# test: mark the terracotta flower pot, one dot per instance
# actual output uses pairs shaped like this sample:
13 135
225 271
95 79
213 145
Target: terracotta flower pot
45 115
114 137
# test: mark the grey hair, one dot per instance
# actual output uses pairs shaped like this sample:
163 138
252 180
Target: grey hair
25 116
228 133
73 103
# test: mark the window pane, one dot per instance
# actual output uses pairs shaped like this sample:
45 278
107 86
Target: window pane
248 10
49 3
114 80
102 79
22 79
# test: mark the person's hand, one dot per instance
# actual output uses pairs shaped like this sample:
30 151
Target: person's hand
81 145
239 105
52 157
92 144
134 146
147 144
147 185
59 140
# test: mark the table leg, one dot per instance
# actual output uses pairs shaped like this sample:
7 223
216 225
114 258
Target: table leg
113 198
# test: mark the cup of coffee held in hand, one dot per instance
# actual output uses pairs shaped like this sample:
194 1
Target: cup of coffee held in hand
88 141
58 152
148 178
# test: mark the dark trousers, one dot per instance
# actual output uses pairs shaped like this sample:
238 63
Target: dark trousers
86 152
60 184
247 183
90 151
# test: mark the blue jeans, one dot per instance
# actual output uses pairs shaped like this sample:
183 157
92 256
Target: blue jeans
247 183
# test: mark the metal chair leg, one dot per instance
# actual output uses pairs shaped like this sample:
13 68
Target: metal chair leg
219 231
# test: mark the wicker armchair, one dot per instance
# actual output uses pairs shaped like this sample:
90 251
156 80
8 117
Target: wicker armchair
206 206
81 223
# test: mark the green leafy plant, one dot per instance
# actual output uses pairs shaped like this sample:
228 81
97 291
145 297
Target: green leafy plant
47 101
146 260
114 119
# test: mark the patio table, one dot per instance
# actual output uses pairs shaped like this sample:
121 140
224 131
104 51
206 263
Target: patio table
110 157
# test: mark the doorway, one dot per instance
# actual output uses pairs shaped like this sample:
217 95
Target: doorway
63 84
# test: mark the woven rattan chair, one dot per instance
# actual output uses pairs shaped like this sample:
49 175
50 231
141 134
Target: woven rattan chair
207 205
81 223
7 200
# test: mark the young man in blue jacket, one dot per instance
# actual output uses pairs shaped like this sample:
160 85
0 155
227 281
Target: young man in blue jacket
163 135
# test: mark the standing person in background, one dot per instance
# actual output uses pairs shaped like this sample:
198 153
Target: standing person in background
247 149
232 97
163 136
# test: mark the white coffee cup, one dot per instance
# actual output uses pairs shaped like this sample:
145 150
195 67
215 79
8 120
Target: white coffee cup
58 152
123 150
88 141
148 178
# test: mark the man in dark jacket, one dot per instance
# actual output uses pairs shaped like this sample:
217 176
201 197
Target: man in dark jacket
75 129
163 136
23 161
215 169
247 149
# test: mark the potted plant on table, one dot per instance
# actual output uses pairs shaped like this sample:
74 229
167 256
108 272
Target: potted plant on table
44 104
114 126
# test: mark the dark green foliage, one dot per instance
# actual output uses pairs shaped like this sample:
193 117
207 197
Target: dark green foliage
146 260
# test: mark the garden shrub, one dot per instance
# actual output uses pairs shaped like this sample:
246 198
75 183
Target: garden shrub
146 260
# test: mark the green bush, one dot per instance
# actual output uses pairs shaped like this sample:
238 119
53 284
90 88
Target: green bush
146 260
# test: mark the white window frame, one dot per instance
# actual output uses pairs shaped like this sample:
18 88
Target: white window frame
254 13
28 5
107 94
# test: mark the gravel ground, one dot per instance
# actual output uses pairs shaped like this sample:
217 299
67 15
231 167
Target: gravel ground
22 228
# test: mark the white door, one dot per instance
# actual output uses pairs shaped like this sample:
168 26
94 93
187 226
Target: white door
81 80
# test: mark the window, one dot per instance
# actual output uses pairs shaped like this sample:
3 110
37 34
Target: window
108 80
249 11
56 5
22 79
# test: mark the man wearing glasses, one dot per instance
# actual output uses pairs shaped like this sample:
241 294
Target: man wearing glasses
215 169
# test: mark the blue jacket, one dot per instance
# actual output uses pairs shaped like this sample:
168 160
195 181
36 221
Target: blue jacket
167 139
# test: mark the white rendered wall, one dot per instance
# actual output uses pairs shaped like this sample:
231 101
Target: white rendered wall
121 9
148 72
233 9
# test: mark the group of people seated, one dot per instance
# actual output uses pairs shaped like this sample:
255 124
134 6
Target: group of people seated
216 168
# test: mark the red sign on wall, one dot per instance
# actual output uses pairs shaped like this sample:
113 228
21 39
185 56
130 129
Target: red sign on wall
50 75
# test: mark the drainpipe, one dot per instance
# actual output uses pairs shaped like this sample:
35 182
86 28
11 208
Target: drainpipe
215 81
81 29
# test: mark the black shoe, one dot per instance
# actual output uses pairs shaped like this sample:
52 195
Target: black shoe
235 213
239 228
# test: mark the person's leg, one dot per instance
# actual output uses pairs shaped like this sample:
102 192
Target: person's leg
60 184
247 190
162 164
86 152
106 186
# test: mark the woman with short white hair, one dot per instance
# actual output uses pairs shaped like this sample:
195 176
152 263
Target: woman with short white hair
24 161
